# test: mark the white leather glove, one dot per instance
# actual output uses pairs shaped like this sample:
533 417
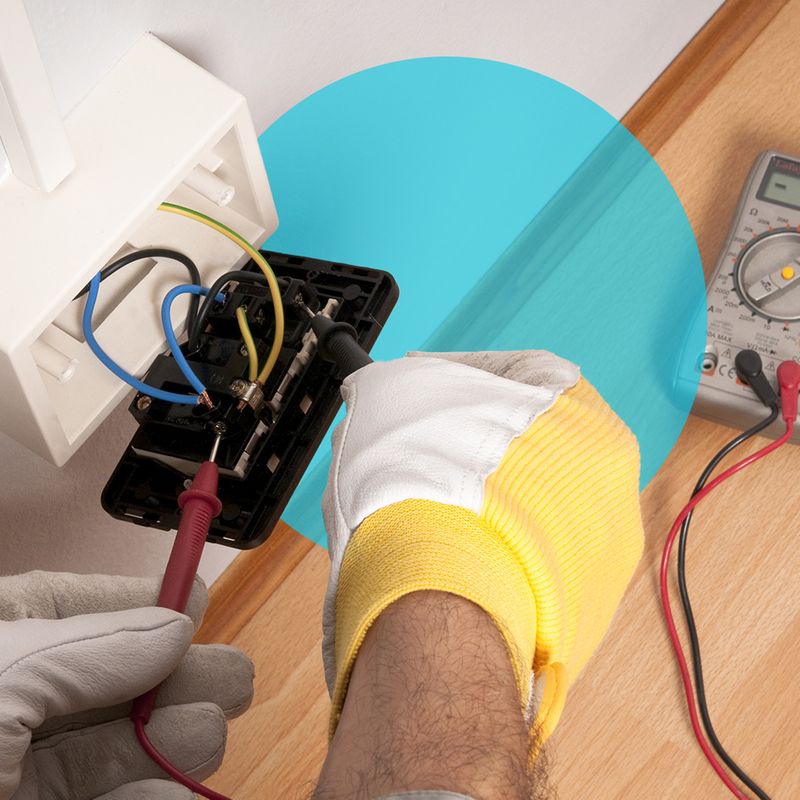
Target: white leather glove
501 477
430 426
74 650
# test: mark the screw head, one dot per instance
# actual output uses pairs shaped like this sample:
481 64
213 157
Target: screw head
187 483
238 385
144 402
219 427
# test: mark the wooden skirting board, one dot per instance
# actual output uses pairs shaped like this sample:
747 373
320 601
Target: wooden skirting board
732 92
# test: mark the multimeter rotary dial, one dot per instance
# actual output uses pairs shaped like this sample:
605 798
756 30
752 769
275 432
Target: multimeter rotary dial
767 275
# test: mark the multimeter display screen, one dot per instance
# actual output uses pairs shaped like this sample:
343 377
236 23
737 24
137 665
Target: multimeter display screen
781 183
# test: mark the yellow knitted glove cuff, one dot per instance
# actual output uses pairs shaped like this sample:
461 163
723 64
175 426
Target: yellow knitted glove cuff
548 557
418 545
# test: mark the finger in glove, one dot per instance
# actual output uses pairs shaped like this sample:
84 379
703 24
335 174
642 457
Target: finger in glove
84 764
58 595
215 673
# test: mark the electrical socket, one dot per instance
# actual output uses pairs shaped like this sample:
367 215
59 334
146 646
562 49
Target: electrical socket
156 128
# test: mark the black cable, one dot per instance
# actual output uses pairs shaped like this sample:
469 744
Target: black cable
688 613
156 252
196 327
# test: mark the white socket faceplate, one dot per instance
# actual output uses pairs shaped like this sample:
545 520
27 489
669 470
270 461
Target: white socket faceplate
143 130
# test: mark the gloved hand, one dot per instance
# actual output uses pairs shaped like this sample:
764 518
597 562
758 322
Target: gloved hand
501 477
74 650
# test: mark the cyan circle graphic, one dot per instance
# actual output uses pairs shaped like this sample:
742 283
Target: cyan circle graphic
514 213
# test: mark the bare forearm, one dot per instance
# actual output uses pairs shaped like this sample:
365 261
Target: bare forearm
432 704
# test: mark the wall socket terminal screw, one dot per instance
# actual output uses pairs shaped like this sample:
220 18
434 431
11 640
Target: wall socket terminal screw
250 393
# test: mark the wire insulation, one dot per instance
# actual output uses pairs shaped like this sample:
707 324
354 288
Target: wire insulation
216 287
249 343
155 252
665 600
172 341
689 614
109 363
272 281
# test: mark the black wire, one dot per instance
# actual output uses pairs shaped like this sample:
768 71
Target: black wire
688 613
196 327
156 252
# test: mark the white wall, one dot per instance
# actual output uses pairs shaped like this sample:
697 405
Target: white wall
276 52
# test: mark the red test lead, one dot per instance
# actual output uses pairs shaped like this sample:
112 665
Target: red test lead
789 383
199 506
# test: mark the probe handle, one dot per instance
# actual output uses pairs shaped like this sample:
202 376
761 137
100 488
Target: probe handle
199 504
338 342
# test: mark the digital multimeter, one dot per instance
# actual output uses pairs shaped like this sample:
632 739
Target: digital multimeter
753 296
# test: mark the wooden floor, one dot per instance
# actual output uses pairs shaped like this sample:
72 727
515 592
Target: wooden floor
733 92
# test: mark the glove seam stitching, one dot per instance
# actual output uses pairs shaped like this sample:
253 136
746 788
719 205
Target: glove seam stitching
532 417
39 652
340 459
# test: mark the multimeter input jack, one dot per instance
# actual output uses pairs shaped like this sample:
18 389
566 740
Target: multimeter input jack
708 361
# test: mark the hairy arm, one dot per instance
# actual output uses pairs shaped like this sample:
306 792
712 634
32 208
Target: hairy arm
432 704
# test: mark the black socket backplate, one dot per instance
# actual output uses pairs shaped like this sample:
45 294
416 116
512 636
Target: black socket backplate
263 455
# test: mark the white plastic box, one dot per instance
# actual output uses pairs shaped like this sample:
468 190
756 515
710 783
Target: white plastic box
136 137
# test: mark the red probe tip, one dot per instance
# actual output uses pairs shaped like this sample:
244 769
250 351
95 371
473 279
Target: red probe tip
789 381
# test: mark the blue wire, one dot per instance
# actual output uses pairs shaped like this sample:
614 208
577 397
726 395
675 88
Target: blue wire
166 321
105 359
